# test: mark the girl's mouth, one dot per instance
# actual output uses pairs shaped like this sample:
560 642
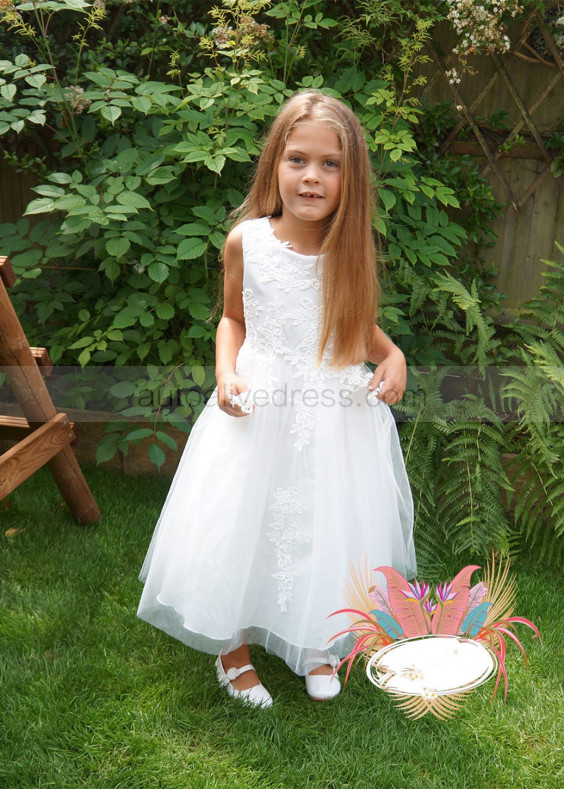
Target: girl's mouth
309 195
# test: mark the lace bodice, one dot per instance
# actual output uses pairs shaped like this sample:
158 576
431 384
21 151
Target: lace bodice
283 311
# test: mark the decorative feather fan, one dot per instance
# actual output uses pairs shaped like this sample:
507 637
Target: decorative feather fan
430 653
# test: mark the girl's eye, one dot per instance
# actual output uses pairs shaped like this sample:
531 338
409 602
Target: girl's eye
296 160
331 163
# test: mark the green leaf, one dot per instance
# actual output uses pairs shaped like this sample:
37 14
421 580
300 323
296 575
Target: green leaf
208 214
388 198
165 311
234 196
198 374
36 80
111 113
193 155
141 104
199 311
157 455
217 238
132 182
193 229
28 258
447 197
238 155
111 269
143 350
69 203
49 191
8 92
40 206
166 439
127 158
132 200
443 245
118 246
380 226
198 331
126 317
179 422
162 175
432 215
215 163
123 389
146 319
106 449
59 178
191 248
158 271
138 434
84 341
84 357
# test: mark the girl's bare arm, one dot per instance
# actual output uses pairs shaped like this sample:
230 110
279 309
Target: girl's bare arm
231 328
391 372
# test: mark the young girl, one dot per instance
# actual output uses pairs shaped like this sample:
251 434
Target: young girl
294 470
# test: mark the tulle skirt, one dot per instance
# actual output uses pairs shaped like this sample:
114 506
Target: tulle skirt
264 517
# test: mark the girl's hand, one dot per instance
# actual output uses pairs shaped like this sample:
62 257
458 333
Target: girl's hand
391 377
230 384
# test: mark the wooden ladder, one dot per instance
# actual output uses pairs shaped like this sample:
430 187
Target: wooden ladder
44 435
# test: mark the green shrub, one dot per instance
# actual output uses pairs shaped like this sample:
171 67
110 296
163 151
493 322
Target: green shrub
145 161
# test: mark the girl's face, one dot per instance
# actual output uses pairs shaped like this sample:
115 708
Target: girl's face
309 173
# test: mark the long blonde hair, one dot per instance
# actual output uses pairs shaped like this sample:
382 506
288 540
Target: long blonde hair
349 279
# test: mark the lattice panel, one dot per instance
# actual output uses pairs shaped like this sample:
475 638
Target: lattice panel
536 43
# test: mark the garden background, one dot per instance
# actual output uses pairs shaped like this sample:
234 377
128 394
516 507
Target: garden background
136 125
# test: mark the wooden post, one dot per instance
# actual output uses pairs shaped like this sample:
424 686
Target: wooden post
18 362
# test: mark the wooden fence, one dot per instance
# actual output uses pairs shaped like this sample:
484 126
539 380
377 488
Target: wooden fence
518 161
15 192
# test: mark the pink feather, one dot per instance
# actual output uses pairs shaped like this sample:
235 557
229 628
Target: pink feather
511 635
476 596
525 622
380 598
449 616
501 668
407 611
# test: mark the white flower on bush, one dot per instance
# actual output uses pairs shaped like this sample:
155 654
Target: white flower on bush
74 97
481 24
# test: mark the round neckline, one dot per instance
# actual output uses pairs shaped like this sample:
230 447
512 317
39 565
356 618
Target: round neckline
285 244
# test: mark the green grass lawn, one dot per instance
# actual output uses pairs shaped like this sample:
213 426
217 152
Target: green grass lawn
90 696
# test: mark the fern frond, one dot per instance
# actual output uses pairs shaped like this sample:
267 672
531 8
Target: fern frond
469 488
534 393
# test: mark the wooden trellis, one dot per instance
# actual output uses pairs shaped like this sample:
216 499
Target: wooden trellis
514 155
537 150
44 436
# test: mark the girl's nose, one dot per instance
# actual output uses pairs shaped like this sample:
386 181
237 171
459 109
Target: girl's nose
311 174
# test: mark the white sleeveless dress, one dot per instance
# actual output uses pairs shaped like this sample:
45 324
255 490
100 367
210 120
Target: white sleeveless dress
267 512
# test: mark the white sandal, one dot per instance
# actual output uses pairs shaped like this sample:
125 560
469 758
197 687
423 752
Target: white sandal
322 687
256 696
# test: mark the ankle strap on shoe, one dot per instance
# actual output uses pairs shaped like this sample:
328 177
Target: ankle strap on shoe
234 672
